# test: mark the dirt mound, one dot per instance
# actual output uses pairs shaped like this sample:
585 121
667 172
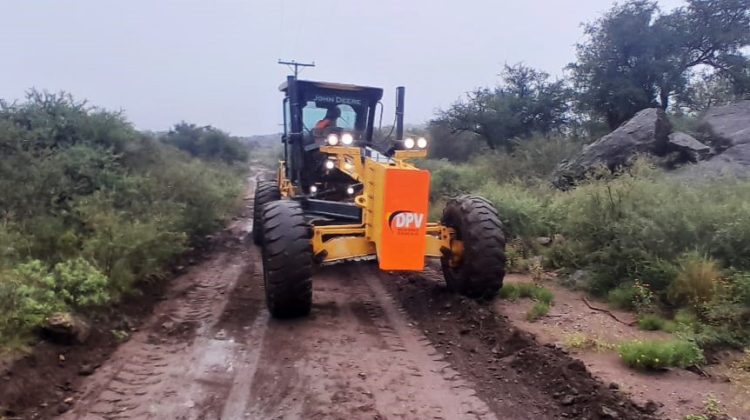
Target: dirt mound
505 362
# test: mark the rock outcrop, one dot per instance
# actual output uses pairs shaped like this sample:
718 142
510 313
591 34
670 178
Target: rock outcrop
723 148
727 125
728 130
646 133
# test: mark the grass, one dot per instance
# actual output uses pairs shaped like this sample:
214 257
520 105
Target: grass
653 322
543 297
654 355
711 410
515 291
537 311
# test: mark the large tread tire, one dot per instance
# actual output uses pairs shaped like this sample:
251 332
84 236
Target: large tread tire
287 259
481 271
265 192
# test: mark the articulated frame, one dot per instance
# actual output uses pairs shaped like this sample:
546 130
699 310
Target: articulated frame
332 243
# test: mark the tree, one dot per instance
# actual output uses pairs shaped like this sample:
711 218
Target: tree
207 142
635 58
526 102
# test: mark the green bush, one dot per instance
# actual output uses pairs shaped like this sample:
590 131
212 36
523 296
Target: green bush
449 180
28 294
653 322
80 284
622 297
206 142
660 354
537 311
523 211
89 206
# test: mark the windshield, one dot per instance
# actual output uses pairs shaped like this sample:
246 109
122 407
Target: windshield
313 114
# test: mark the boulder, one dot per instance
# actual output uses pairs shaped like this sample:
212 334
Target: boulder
728 129
727 125
733 162
647 132
688 147
67 328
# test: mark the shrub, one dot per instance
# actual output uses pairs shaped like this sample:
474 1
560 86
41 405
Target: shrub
696 281
89 206
537 311
544 295
27 296
622 297
658 274
660 354
80 284
524 212
206 142
652 322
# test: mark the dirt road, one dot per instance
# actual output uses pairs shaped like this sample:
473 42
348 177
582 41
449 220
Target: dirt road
376 346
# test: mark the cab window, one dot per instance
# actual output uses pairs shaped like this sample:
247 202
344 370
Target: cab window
313 113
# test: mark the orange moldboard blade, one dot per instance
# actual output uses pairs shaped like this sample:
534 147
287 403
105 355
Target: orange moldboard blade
404 224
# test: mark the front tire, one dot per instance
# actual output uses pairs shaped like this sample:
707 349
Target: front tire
287 259
480 270
265 192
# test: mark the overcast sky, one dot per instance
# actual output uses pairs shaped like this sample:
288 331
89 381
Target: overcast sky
214 62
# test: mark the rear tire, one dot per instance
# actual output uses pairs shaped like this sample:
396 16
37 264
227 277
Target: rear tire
265 192
287 259
481 270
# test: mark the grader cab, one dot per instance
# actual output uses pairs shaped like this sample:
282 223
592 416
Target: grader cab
339 195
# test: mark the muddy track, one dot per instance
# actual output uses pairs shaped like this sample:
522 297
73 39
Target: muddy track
376 346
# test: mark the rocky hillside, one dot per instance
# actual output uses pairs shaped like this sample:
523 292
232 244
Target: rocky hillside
722 146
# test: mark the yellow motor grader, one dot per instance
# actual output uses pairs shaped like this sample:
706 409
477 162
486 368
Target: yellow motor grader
341 196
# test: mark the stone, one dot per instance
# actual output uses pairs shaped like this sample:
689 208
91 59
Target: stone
86 369
67 328
568 400
688 146
544 240
608 413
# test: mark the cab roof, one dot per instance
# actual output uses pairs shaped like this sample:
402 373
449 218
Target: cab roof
307 84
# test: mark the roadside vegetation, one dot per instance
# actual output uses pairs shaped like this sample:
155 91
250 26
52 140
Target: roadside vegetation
543 298
90 207
675 251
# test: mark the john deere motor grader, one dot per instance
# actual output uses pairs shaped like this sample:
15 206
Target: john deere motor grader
340 196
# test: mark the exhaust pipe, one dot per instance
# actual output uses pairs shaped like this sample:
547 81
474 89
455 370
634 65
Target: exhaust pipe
400 96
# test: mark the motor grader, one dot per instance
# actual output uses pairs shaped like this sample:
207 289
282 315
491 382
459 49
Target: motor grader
340 196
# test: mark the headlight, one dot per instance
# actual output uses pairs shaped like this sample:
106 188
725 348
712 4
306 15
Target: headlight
332 139
330 164
409 143
347 139
350 190
422 142
313 189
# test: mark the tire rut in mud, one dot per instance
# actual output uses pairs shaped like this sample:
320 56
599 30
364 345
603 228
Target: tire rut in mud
508 368
356 356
